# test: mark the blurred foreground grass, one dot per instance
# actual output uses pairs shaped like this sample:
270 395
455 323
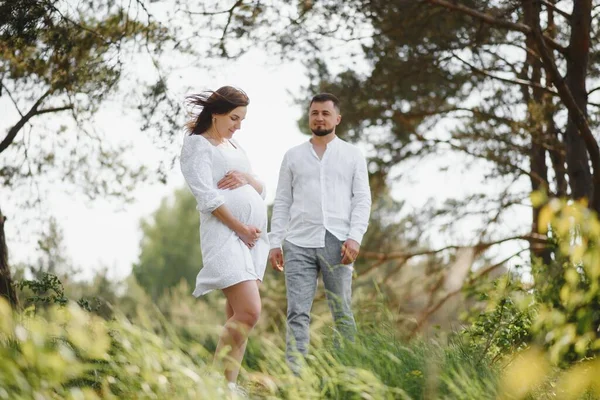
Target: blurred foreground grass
69 353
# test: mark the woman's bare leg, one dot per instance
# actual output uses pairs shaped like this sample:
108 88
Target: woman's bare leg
228 310
243 300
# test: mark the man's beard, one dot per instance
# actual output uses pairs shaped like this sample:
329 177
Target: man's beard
322 132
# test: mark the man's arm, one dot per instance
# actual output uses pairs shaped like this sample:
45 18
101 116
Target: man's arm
361 209
281 205
281 214
361 200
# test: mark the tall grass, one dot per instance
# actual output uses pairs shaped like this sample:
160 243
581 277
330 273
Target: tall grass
67 353
379 365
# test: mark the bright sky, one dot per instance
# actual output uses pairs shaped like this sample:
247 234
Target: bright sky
98 234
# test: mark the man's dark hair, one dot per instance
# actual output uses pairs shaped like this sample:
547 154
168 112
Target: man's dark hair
323 97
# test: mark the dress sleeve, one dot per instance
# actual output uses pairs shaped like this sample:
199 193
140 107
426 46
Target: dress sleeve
196 166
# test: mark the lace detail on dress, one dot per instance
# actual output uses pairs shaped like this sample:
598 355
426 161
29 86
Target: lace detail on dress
196 166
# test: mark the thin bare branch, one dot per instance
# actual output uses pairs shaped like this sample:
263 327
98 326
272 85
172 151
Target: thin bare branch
14 101
55 109
484 157
12 132
507 63
481 246
229 18
557 10
79 26
515 81
504 204
229 10
433 308
593 90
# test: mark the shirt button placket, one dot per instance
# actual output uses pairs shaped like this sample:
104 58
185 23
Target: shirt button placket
323 199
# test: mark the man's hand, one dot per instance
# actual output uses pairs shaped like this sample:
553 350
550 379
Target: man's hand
350 250
233 180
276 259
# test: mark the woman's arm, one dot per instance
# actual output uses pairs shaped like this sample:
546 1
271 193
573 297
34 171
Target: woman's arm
249 234
196 166
255 183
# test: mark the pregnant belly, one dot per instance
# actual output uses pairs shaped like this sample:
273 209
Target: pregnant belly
246 205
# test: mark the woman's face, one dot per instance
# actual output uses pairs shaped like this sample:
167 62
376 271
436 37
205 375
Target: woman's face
227 124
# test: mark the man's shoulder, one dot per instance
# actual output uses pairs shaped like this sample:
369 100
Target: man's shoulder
350 148
295 150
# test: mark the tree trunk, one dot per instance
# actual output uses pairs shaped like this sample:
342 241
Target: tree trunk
538 134
7 289
578 163
557 147
557 153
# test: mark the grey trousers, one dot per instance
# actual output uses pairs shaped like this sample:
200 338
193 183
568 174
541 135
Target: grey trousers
302 266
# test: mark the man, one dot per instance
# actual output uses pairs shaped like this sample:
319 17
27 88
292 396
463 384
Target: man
320 214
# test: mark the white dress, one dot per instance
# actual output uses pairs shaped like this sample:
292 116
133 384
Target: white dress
226 259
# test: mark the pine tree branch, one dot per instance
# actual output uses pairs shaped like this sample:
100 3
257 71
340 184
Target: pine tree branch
492 20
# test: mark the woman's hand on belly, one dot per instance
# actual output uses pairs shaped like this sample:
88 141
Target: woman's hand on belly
233 180
249 235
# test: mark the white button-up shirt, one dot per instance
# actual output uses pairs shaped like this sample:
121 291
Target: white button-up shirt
315 195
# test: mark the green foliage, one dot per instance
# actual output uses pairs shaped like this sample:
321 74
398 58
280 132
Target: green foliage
504 325
558 310
66 352
170 247
71 354
568 290
52 248
65 58
419 57
47 290
46 45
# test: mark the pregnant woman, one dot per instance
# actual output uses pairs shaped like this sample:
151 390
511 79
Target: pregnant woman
233 216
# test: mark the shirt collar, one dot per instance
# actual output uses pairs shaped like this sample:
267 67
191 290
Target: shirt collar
333 142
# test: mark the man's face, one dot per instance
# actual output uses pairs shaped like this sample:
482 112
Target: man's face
323 118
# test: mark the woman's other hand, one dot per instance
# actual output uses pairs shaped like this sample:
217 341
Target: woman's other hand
249 235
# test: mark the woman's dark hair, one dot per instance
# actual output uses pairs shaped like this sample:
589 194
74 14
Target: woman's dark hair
219 102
